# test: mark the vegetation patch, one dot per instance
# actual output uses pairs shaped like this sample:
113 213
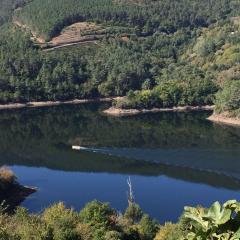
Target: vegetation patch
98 221
170 94
11 192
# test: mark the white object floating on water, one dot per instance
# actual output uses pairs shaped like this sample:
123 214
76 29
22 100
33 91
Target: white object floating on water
78 148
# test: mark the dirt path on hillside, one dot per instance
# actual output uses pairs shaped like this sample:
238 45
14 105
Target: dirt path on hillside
70 44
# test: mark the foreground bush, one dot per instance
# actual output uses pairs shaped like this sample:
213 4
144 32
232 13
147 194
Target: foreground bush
98 221
169 231
62 221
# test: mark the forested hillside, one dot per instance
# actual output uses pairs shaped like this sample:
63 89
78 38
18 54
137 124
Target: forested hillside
213 54
47 17
176 53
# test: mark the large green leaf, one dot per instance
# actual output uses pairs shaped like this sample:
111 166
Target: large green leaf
216 223
233 205
217 215
195 217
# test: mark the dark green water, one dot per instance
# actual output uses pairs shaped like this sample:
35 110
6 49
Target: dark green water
174 159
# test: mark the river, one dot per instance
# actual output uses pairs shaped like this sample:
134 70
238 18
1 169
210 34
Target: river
174 159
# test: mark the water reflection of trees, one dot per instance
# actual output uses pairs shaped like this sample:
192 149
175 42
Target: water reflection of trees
84 124
42 137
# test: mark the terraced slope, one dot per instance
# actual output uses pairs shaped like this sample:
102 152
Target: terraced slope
76 32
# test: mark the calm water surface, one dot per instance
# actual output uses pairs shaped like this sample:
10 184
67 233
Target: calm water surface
174 159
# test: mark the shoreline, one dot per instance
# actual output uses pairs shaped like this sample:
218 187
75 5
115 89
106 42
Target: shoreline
223 119
53 103
117 112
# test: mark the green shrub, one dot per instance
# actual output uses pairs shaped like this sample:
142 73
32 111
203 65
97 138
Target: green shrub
113 235
96 212
31 226
84 231
7 227
63 221
147 228
169 231
132 233
133 213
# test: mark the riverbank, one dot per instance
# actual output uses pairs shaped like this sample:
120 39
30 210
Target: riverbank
223 119
118 112
54 103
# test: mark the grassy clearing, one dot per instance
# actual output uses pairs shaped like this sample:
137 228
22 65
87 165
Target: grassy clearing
76 32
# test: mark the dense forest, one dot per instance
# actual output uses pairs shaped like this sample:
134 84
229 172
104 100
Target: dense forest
48 17
179 53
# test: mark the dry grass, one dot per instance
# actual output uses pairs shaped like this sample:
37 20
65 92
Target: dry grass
236 20
76 32
7 176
